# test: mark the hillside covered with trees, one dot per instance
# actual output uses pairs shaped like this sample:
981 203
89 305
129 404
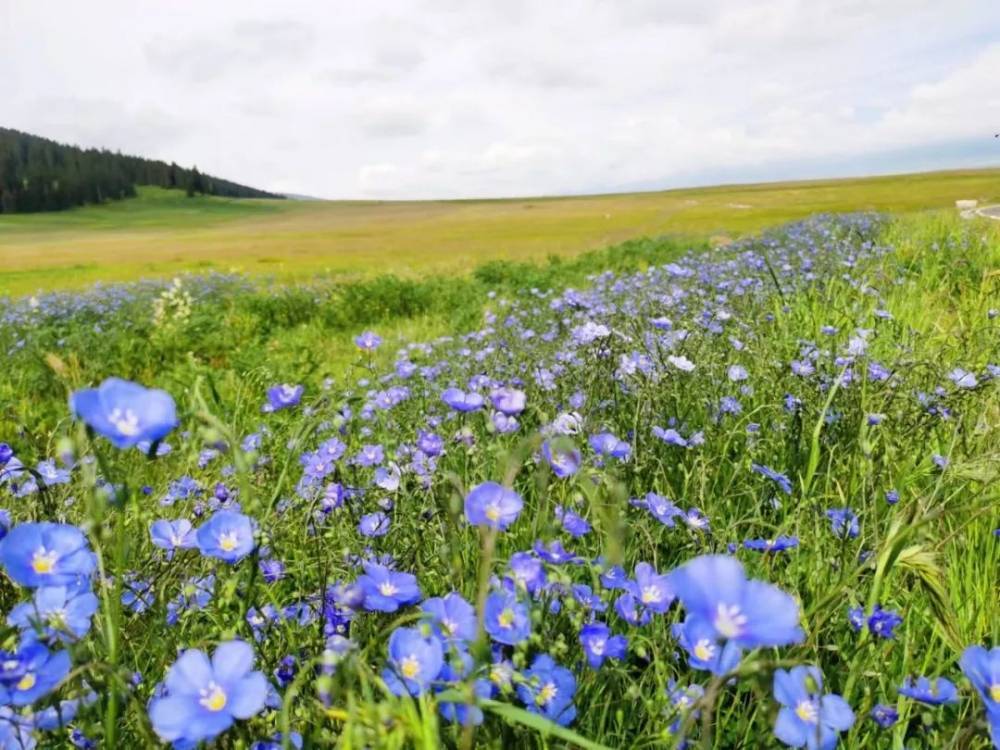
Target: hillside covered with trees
38 174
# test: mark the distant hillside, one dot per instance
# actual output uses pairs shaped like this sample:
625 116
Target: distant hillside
37 174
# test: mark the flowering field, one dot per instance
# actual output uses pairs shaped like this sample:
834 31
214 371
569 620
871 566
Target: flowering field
732 498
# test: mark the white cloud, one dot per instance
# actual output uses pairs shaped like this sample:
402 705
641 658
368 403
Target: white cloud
442 98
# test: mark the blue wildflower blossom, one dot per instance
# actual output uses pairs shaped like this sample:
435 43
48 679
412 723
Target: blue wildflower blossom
548 689
884 715
172 535
808 718
527 571
461 401
374 524
386 590
204 698
492 505
598 644
124 412
932 692
415 660
228 536
651 589
46 554
61 613
982 667
751 613
283 396
506 619
31 673
705 649
780 479
778 544
843 522
508 401
576 525
562 456
454 618
606 444
368 341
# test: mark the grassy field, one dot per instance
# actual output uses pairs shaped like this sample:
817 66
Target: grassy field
163 232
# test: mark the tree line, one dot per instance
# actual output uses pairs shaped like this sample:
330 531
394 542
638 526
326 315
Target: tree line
37 174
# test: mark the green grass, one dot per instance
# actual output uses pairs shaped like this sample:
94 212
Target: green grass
162 233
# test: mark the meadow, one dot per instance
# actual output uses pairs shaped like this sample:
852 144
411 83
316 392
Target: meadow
162 232
669 493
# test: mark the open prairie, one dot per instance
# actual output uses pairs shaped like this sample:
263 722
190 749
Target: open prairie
162 232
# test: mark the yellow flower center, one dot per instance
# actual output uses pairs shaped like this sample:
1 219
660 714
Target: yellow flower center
125 421
506 618
43 561
729 621
27 682
806 710
548 692
213 698
409 667
995 692
386 588
492 512
228 541
704 649
651 595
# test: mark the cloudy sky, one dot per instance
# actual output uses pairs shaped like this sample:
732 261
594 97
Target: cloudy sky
462 98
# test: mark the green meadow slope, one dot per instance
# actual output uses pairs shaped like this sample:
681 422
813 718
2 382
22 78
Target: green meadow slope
163 232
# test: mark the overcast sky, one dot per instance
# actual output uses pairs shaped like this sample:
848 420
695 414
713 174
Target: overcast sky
462 98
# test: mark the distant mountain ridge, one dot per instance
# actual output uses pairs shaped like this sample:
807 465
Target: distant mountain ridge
39 174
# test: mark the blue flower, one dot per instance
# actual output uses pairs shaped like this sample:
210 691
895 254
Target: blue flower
374 524
171 535
843 522
884 715
454 617
780 479
932 692
527 571
751 613
386 590
577 526
461 401
598 644
60 612
283 396
962 378
562 456
415 661
652 590
228 536
662 509
204 698
548 689
704 647
506 619
493 505
883 621
31 673
368 341
46 554
779 544
982 667
606 444
807 718
508 401
124 412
